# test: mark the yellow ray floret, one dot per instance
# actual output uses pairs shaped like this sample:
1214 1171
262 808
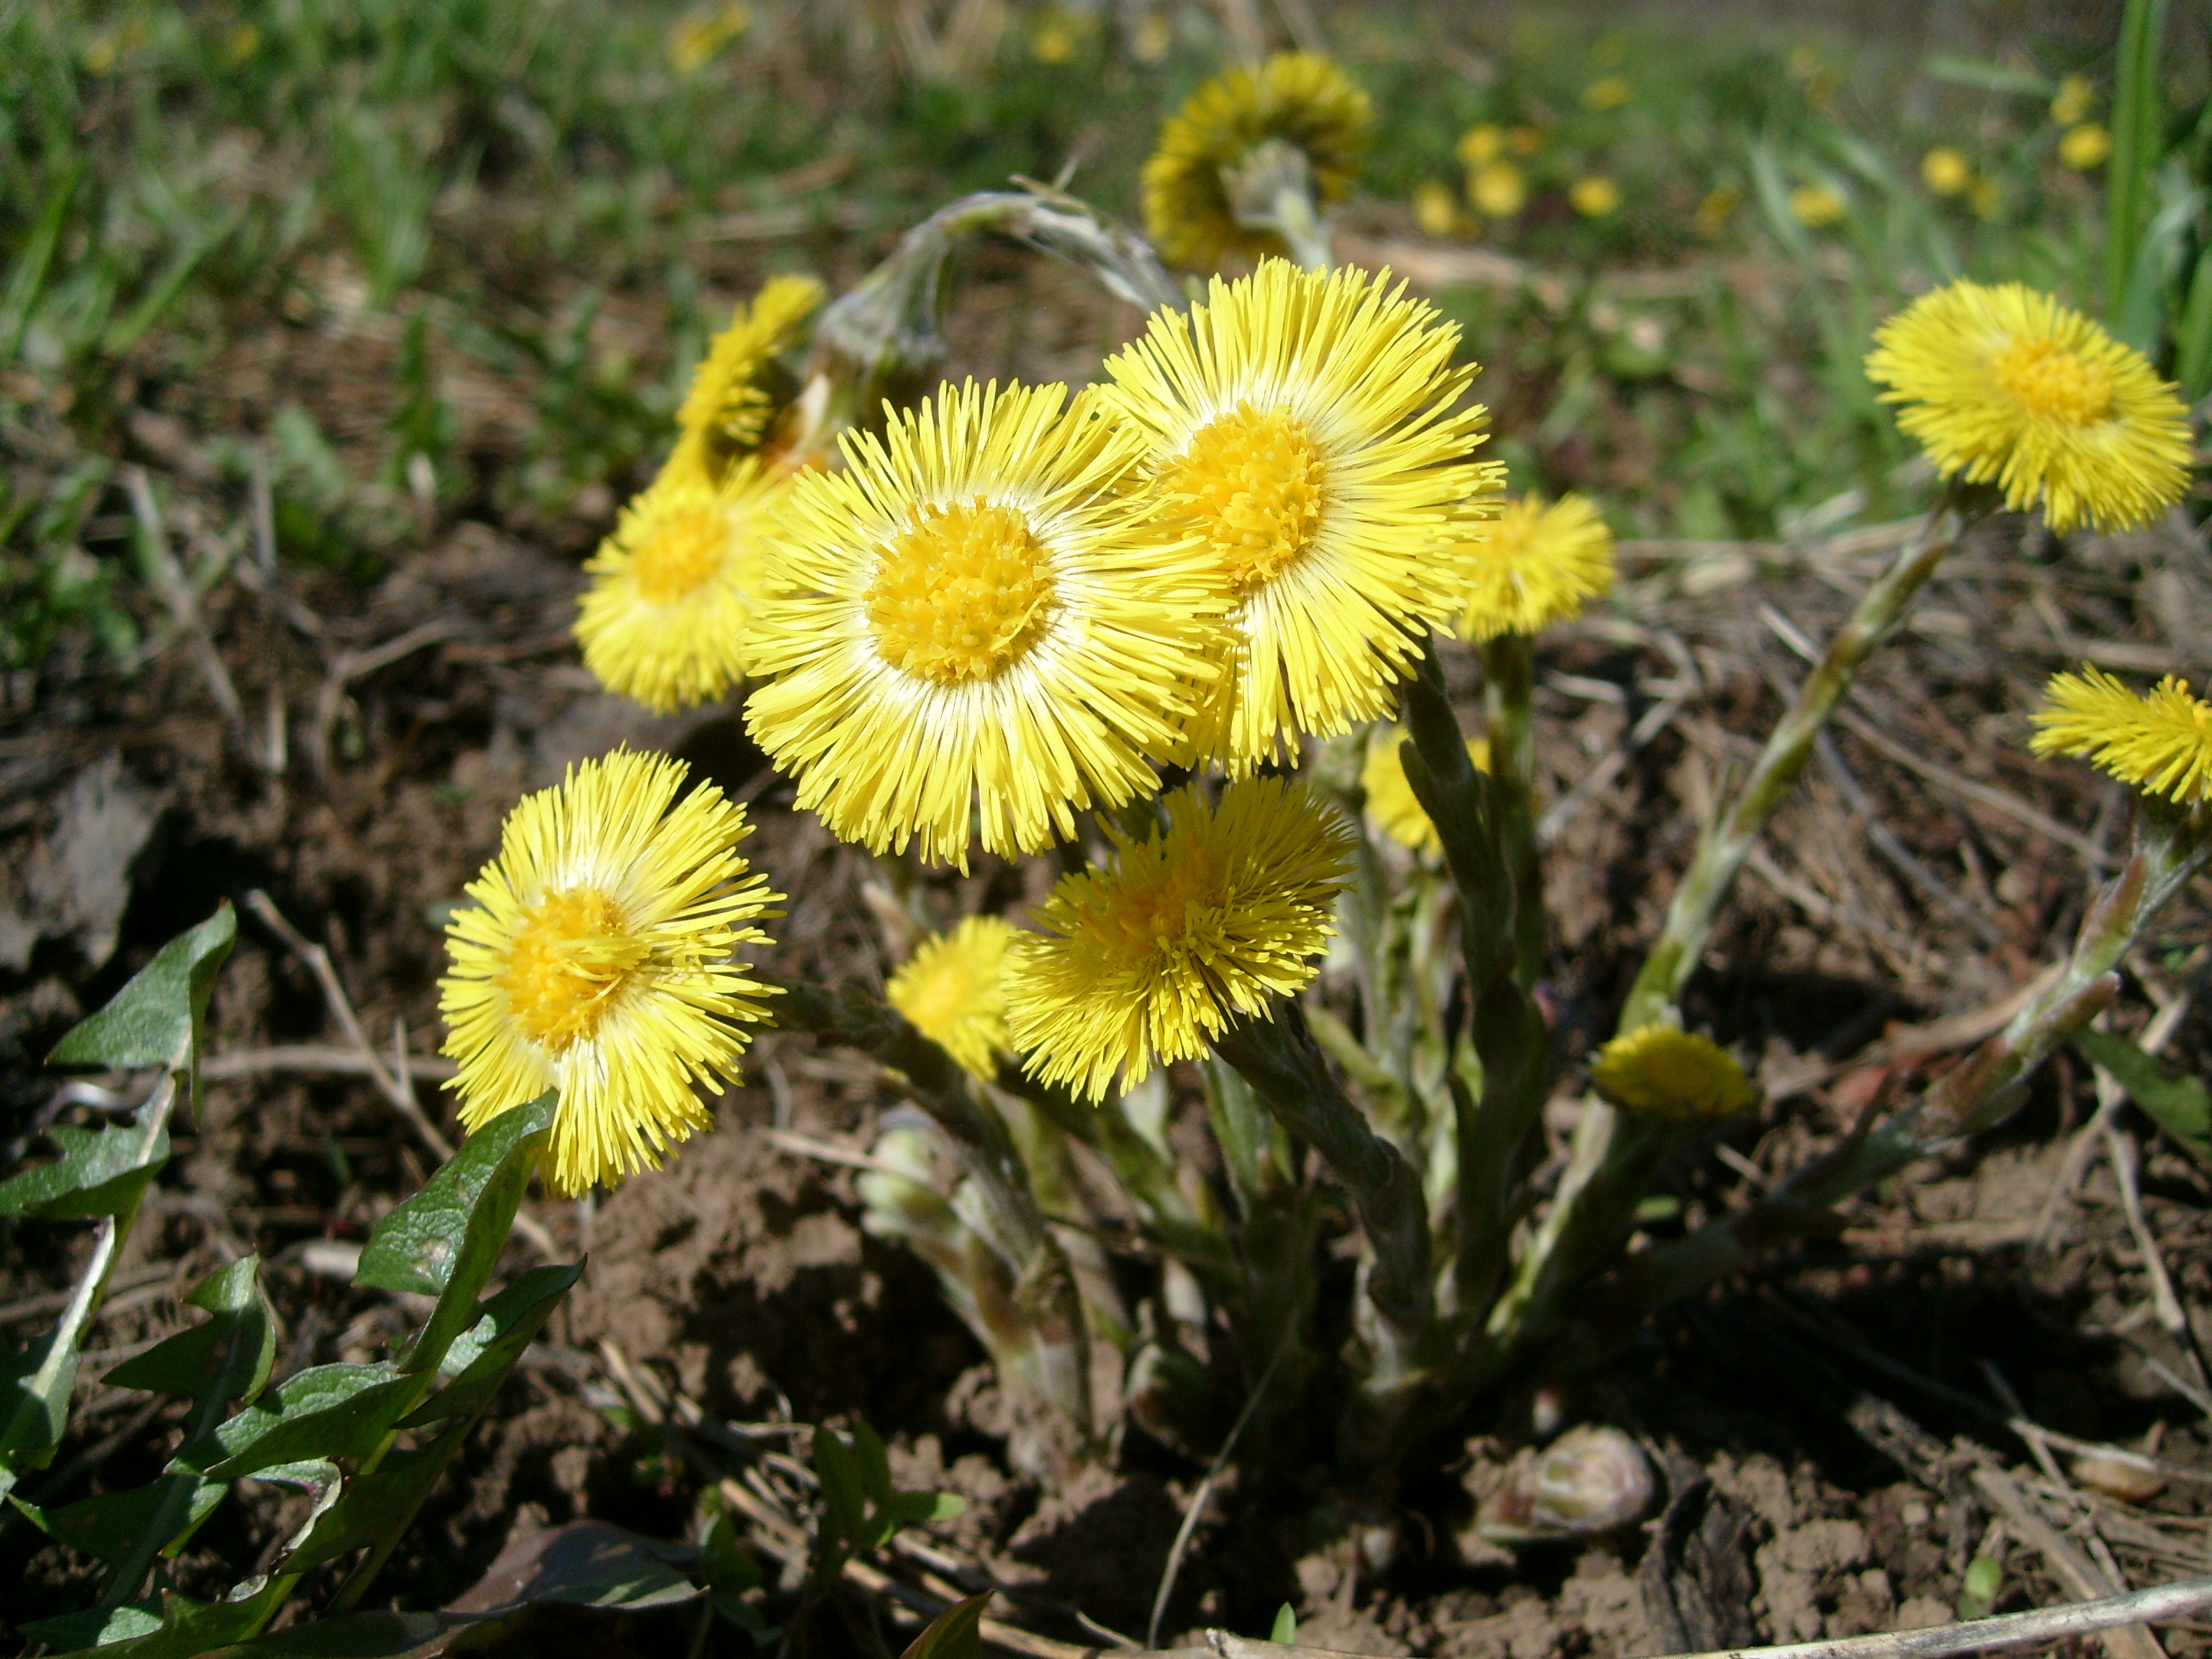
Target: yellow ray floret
596 957
2005 385
1662 1073
2159 743
674 588
952 990
1298 99
976 630
1536 565
1392 808
1192 928
736 390
1302 424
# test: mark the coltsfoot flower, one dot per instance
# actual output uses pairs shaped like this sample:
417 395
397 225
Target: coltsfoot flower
674 588
1195 927
1392 806
1661 1072
1301 426
976 630
1296 98
952 990
2159 743
1536 565
597 958
2005 385
736 389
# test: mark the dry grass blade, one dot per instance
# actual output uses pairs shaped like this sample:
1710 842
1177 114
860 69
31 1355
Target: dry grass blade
2075 1569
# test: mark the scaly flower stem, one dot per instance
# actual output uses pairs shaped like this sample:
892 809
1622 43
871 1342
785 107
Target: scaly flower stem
1508 686
1271 189
1725 845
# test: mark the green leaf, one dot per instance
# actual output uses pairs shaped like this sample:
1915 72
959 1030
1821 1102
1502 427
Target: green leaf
446 1240
190 1628
155 1019
226 1358
909 1508
111 1525
34 1385
357 1636
329 1411
1285 1630
1964 71
2182 1106
375 1505
844 1501
100 1172
480 1360
93 1627
875 1464
956 1634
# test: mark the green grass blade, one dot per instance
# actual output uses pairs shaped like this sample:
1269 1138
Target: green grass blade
30 273
2136 145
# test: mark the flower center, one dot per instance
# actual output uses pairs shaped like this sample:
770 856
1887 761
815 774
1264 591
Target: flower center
682 554
961 592
2055 382
569 958
1253 479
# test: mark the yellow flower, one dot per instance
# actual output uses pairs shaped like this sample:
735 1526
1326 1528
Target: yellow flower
975 621
2076 98
1301 426
952 991
1536 565
1300 99
2160 742
1436 209
1607 92
1986 196
697 38
1392 807
1192 928
1945 172
1595 196
1816 206
1661 1072
672 590
1714 212
597 958
1053 41
1497 189
245 40
2006 385
1481 143
735 391
2085 147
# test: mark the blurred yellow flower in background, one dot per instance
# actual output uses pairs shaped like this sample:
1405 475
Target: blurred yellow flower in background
1053 40
1392 807
1436 209
2084 147
245 40
1595 196
1607 92
1986 197
694 39
1678 1076
1945 172
2076 97
2159 743
1817 206
1497 189
1150 40
1536 565
1714 212
952 990
1481 143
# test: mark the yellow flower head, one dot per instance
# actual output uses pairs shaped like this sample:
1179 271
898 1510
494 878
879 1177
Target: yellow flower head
597 958
2006 385
674 588
1300 426
2076 97
2085 148
1607 92
1498 189
1436 209
2160 742
1817 206
1297 98
735 393
977 620
1595 196
1945 172
1392 807
1481 143
1536 565
1661 1072
952 991
1192 928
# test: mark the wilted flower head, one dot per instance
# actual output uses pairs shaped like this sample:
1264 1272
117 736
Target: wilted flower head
952 990
1298 102
1536 565
1198 925
1661 1072
597 956
2005 385
2159 743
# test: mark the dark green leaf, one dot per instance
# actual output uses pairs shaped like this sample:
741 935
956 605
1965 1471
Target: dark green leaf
375 1505
331 1411
727 1567
956 1634
908 1509
843 1495
155 1019
875 1464
100 1172
488 1350
108 1526
192 1628
93 1627
34 1393
2181 1106
226 1358
358 1635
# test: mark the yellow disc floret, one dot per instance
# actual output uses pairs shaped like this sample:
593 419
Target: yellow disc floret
597 956
2159 743
1199 925
1534 566
1254 480
952 990
960 594
2005 385
1661 1072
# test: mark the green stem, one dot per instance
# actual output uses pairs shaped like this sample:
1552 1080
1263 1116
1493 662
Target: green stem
2136 140
1509 696
1729 840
